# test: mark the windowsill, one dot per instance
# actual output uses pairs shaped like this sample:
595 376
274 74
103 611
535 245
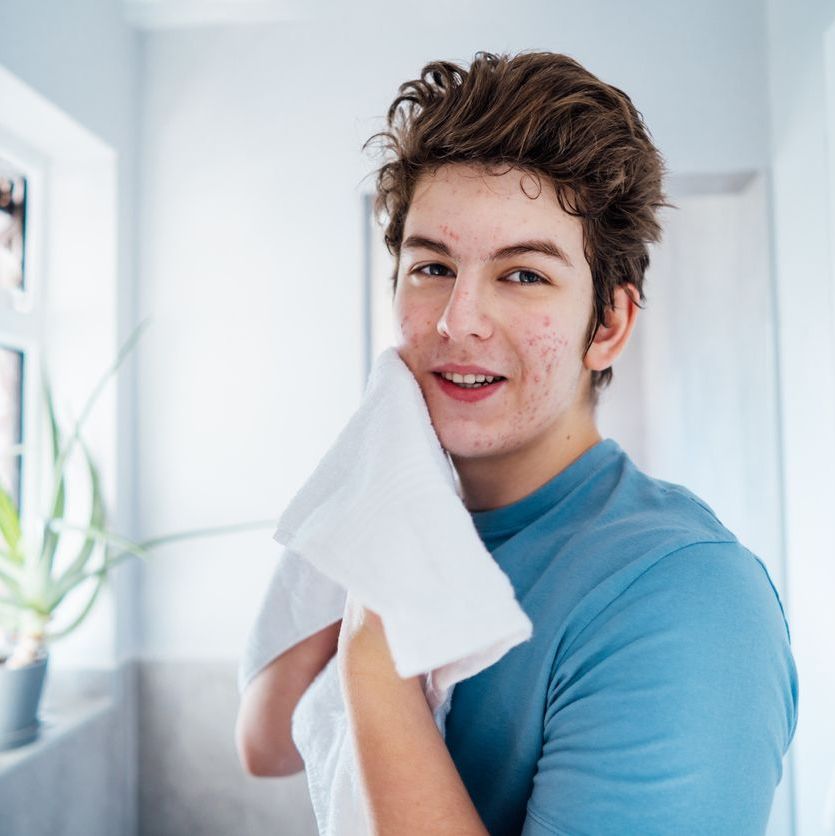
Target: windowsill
72 700
57 724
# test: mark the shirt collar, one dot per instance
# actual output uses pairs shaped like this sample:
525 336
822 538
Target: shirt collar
509 519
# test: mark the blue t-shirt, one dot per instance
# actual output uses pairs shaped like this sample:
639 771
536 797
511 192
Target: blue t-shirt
658 693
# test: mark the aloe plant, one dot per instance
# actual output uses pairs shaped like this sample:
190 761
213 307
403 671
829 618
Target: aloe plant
31 588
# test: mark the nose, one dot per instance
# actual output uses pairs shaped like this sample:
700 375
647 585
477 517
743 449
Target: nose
465 312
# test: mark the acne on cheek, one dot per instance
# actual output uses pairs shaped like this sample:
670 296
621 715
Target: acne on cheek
402 328
407 326
550 348
550 345
556 347
414 323
552 352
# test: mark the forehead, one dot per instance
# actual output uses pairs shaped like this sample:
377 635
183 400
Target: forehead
484 204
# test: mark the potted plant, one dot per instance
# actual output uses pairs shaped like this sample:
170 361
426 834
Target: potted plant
32 588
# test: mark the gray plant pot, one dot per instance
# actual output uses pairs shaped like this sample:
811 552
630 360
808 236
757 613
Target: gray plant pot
20 697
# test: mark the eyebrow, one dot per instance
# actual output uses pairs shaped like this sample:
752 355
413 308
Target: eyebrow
537 245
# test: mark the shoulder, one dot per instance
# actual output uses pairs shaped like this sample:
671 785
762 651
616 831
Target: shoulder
643 536
635 540
706 617
665 538
715 584
628 520
656 505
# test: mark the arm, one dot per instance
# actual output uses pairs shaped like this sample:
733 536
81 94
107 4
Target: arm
410 781
262 731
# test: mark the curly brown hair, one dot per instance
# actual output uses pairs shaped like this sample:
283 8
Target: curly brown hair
543 113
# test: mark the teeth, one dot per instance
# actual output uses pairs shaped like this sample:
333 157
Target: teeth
468 378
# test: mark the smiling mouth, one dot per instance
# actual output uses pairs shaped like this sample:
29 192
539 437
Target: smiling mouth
463 384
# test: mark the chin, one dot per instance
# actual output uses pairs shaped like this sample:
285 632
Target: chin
466 445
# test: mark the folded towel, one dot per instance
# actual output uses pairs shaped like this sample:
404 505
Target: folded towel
382 516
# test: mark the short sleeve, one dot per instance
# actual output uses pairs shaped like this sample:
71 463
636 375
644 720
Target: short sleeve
672 709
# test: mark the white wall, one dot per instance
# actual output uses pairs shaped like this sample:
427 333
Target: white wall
802 219
710 414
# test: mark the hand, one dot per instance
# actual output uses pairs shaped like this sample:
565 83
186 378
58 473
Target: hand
363 650
362 647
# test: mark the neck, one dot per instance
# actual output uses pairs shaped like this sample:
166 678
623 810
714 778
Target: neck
489 482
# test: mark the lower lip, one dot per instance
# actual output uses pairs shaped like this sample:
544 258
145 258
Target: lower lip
467 395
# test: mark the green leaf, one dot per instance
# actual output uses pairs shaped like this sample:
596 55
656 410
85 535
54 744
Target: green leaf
68 445
50 538
69 583
14 602
10 525
207 532
70 579
97 518
60 453
51 637
75 575
102 536
12 577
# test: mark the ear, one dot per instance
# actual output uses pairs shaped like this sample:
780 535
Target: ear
613 333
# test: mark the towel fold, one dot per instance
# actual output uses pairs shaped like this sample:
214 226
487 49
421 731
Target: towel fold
382 516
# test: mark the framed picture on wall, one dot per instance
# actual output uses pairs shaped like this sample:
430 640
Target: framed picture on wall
13 195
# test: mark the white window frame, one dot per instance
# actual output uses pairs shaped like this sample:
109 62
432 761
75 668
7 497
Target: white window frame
22 313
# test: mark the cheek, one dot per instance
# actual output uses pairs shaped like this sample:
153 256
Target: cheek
414 329
545 351
413 323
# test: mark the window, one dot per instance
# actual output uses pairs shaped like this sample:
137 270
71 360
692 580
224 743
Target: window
20 184
59 310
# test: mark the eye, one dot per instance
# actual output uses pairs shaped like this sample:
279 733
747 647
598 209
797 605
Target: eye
429 266
532 278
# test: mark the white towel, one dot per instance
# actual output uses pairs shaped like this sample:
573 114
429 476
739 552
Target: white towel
381 516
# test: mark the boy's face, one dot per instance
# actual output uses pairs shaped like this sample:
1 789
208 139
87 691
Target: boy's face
522 316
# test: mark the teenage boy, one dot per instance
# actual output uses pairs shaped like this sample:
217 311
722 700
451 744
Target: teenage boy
658 693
